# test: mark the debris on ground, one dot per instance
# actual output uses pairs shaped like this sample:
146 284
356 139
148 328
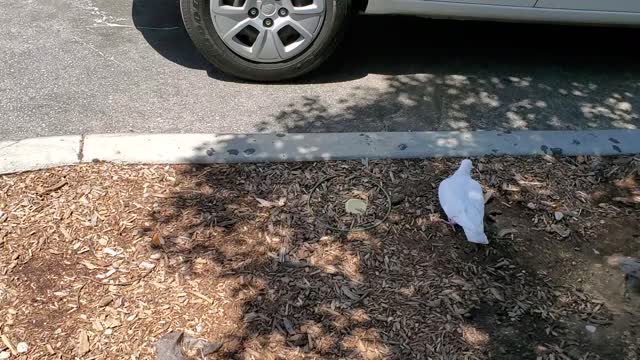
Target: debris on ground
180 346
102 260
22 347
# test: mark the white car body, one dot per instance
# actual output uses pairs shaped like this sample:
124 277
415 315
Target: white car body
593 12
275 40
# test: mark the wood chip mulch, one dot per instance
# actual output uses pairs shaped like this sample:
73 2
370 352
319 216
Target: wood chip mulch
99 261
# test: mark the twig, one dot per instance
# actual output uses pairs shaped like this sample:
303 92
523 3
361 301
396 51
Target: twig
8 344
126 283
78 296
367 293
203 297
55 187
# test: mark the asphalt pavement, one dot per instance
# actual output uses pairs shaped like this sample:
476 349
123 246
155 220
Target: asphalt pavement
114 66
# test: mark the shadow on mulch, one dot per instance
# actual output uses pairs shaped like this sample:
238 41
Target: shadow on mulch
409 288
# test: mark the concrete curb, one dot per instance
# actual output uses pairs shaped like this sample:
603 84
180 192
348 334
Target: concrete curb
39 153
35 154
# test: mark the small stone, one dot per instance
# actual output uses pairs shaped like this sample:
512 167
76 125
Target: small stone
22 347
108 332
155 256
5 355
558 215
590 328
532 206
147 265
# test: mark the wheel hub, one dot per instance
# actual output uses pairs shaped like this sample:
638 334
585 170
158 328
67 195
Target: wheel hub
269 8
268 31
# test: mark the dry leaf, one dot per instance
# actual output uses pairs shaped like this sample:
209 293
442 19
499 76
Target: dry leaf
157 240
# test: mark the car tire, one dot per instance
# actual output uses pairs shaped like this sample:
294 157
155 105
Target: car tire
200 26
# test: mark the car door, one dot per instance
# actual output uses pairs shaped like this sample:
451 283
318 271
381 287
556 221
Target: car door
525 3
593 5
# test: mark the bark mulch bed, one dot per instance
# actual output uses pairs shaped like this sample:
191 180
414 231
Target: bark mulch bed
99 261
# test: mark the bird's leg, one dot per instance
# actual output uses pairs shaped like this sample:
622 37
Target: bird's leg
450 222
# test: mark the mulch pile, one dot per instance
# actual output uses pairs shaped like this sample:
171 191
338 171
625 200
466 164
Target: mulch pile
99 261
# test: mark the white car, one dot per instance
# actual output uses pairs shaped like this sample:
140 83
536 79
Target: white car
272 40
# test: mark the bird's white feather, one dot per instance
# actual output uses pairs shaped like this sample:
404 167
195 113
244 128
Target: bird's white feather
462 200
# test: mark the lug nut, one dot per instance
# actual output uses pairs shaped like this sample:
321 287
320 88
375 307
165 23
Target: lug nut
253 13
268 22
283 12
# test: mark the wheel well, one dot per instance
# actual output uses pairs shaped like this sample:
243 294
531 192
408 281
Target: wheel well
361 5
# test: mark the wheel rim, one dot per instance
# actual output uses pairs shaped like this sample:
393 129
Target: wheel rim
268 31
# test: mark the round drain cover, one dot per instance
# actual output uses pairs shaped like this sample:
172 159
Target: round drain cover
349 203
356 206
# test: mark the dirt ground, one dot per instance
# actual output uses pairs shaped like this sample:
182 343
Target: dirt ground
100 261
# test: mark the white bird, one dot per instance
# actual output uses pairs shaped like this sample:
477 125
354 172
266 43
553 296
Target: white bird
462 200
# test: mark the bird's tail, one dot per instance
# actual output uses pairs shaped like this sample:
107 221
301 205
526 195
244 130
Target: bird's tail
476 236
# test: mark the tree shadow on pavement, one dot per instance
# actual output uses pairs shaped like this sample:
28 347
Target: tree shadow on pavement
414 74
552 78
